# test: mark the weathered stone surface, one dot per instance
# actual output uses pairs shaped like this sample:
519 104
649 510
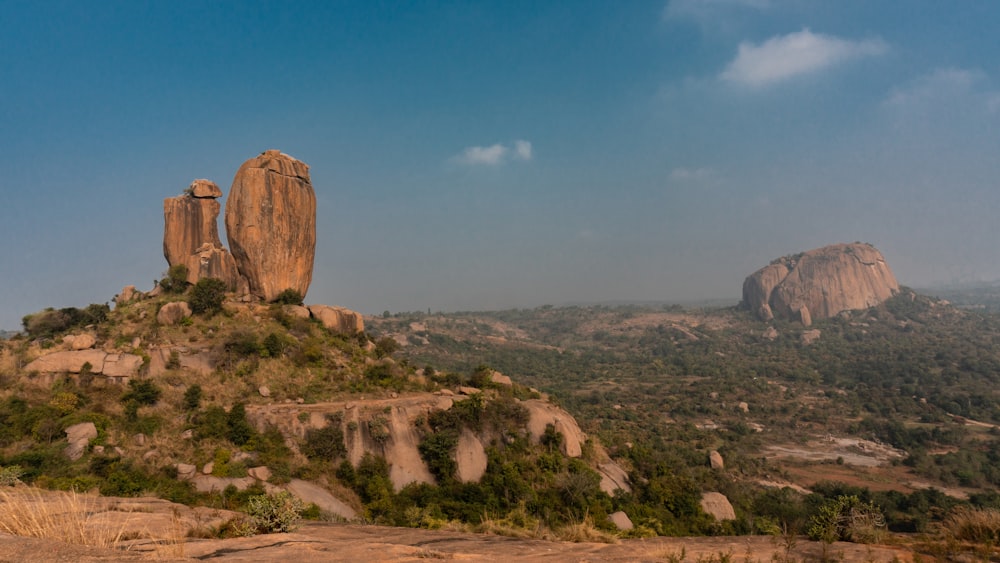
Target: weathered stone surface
470 457
541 414
191 235
78 436
771 333
338 319
500 379
261 473
271 224
810 336
204 189
621 520
173 313
186 471
715 460
121 365
128 293
297 311
820 283
613 477
68 361
264 391
718 506
80 341
310 492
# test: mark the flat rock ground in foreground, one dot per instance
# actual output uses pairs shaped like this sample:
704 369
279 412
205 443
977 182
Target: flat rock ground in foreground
315 542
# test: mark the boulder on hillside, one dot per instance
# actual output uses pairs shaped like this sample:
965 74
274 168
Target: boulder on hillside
271 224
820 283
173 313
541 414
470 458
79 437
338 319
68 362
718 506
80 341
715 460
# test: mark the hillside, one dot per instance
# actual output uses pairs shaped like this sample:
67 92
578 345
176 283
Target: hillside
897 403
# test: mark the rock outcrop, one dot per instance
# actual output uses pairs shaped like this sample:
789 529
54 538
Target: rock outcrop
121 366
820 283
338 319
271 224
191 234
718 506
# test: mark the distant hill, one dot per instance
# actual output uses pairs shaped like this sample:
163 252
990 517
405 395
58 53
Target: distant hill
984 296
6 334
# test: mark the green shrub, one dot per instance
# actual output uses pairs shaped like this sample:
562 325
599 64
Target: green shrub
192 397
289 297
847 518
326 444
207 296
175 279
10 475
273 514
239 430
143 392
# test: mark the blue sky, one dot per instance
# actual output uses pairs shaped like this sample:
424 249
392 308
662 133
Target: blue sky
476 155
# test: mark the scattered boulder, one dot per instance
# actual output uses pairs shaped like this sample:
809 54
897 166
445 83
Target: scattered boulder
186 471
621 520
264 391
339 320
126 295
204 189
500 379
79 437
271 224
470 457
820 283
810 336
208 468
173 313
715 460
742 406
121 365
261 473
613 478
718 506
297 311
68 362
80 341
541 414
771 333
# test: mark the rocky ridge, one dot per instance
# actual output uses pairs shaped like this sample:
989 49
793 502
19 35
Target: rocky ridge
820 283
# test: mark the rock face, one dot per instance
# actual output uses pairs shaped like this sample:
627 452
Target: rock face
79 436
271 224
820 283
191 234
338 319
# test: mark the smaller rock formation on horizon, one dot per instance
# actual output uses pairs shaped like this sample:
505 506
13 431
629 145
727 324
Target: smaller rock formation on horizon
271 224
820 283
191 234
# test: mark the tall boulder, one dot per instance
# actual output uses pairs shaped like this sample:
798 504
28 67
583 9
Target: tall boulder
271 224
191 234
820 283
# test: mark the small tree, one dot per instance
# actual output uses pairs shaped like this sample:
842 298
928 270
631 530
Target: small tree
289 297
207 296
175 280
192 397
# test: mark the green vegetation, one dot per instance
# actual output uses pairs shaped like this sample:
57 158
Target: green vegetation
207 296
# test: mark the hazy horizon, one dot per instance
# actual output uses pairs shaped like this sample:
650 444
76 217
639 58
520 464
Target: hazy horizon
473 156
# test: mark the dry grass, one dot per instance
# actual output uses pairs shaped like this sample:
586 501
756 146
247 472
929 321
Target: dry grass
66 517
980 525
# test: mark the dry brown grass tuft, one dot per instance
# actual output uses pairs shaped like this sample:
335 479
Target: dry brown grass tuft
58 516
981 525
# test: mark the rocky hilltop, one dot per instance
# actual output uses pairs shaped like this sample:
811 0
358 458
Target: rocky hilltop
270 224
820 283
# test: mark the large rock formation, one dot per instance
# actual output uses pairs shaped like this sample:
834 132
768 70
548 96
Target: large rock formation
191 234
820 283
271 224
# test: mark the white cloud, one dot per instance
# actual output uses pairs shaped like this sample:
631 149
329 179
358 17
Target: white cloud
939 86
522 149
801 52
494 155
